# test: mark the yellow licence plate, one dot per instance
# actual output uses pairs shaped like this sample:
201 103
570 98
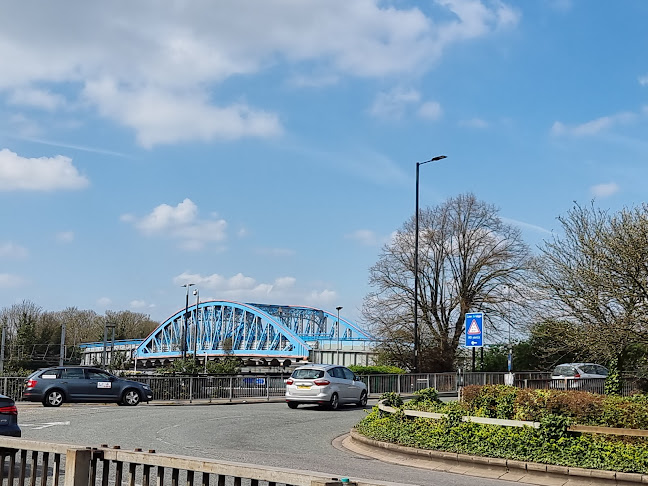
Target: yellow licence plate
303 386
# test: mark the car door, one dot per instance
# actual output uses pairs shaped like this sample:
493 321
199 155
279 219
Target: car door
102 386
337 375
74 384
355 387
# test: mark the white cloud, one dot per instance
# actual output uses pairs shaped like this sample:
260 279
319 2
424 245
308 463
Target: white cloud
36 98
593 127
152 73
522 224
180 222
365 237
604 190
12 250
474 123
140 304
38 174
430 110
392 104
104 302
643 80
10 281
242 288
276 252
65 236
163 117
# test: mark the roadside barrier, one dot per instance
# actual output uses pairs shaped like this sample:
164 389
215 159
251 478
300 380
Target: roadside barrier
34 462
269 386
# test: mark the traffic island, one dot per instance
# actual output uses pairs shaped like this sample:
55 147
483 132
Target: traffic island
488 467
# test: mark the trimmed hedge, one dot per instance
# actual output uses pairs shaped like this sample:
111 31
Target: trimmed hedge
550 444
520 443
507 402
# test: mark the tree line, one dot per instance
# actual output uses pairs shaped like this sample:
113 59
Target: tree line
33 334
581 295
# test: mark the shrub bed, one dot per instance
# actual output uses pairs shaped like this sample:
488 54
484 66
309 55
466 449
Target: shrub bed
549 444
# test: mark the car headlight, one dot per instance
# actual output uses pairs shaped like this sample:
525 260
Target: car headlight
146 387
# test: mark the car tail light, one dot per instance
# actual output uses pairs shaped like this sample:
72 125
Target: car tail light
31 383
289 381
11 410
322 382
576 375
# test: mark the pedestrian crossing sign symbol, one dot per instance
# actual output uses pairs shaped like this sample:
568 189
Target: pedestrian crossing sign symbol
474 330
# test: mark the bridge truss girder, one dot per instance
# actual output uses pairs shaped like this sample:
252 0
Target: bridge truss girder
221 328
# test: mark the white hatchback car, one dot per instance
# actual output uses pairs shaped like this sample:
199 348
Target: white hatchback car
325 385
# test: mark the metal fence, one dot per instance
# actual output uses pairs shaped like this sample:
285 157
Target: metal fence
47 464
272 386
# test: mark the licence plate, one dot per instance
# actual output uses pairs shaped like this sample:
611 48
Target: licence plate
303 386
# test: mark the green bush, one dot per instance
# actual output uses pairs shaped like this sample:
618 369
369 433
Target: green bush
506 402
549 444
392 399
429 395
376 370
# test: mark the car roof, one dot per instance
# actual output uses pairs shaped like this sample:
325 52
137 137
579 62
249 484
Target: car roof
578 364
317 366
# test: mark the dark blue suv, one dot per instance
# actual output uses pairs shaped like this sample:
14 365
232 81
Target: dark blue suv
54 386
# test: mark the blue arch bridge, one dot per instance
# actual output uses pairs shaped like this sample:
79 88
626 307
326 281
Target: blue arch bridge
259 334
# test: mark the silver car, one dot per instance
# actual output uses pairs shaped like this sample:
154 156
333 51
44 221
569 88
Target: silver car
325 385
582 376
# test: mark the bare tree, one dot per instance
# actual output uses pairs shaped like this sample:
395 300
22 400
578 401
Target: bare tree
595 282
469 260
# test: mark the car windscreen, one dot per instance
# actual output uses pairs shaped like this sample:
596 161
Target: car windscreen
308 374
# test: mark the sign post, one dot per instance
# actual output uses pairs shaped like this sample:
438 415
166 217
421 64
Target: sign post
474 332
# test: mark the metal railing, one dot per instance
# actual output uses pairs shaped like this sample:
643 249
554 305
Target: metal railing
48 464
271 386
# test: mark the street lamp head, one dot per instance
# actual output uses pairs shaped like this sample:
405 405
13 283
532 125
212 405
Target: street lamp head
195 292
188 285
338 308
433 159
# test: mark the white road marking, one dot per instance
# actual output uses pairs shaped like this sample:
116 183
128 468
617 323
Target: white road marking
44 425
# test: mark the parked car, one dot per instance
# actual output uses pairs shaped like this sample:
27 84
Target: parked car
9 417
325 385
579 376
54 386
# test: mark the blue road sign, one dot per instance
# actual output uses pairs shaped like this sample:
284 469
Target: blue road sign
474 330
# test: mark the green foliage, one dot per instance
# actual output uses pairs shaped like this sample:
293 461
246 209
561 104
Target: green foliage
613 381
429 395
376 370
554 427
495 401
392 399
550 444
230 365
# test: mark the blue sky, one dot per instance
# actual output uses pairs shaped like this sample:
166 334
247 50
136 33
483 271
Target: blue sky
266 150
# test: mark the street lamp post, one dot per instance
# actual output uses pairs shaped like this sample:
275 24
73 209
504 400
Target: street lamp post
339 308
195 350
416 252
184 328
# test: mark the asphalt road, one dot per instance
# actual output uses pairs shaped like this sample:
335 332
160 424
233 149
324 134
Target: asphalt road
259 433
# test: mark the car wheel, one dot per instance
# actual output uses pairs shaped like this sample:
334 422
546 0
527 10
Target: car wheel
131 397
292 405
363 399
334 403
54 398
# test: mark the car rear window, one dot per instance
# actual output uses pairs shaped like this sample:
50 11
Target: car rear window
590 369
308 374
564 370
